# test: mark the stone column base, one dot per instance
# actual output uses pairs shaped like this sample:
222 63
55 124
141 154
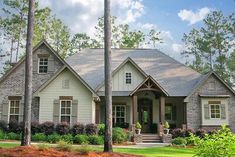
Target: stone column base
166 138
137 138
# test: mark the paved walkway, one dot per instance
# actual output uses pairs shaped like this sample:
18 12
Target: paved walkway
138 145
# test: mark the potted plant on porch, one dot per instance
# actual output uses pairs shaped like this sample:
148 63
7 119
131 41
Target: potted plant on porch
166 127
138 128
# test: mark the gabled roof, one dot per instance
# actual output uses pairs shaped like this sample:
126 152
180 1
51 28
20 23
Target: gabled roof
149 78
34 50
58 73
175 78
120 66
203 79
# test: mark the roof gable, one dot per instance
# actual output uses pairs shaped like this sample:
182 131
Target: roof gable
204 79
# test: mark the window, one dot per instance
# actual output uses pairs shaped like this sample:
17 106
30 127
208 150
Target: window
215 111
170 112
65 111
14 110
43 65
128 78
119 114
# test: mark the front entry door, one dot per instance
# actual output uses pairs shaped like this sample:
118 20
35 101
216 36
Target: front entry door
145 114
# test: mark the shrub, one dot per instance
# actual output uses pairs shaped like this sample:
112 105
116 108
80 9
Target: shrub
178 133
78 128
121 125
13 136
64 146
67 138
119 135
179 141
96 140
53 138
3 125
62 128
2 135
188 132
39 137
220 144
166 125
201 133
42 147
35 127
138 126
47 128
101 129
91 129
15 127
81 139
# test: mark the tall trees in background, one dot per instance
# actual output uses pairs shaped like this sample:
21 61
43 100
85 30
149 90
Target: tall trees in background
26 134
211 45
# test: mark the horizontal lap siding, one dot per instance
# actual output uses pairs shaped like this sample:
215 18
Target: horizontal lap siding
76 89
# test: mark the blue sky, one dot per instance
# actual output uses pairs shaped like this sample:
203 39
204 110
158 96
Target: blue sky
172 17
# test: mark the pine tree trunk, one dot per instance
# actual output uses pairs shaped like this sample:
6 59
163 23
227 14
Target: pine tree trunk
108 78
26 136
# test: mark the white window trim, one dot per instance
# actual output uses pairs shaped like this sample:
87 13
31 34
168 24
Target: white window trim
219 111
115 118
130 77
9 110
39 64
70 111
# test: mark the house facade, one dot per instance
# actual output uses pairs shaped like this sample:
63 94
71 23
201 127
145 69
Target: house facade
148 87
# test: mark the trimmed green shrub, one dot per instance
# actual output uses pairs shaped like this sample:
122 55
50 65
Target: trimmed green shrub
119 135
220 144
91 129
35 127
78 128
43 146
64 146
62 128
101 129
84 149
81 139
67 138
13 136
3 125
96 140
47 128
53 138
39 137
2 135
179 141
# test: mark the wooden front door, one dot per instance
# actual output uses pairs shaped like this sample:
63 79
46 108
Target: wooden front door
145 114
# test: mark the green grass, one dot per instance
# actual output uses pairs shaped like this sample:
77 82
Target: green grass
158 151
148 152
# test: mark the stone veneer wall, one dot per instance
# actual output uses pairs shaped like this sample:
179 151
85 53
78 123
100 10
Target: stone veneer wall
13 85
194 105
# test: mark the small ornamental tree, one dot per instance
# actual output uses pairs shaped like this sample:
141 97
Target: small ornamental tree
220 144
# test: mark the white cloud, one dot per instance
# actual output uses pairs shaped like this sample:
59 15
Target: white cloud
193 17
177 47
82 15
148 26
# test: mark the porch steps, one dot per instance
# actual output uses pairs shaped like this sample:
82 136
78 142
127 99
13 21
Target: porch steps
151 138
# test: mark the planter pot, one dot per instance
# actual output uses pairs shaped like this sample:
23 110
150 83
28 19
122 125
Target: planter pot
137 131
166 131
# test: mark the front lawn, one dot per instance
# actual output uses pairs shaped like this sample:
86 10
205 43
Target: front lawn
148 152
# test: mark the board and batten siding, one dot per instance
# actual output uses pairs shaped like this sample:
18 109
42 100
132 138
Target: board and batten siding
76 89
119 78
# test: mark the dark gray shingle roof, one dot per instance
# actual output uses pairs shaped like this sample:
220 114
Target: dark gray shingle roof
176 78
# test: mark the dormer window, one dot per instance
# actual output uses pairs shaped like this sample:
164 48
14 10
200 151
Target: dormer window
128 78
43 65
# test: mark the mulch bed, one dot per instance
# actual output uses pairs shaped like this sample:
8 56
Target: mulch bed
32 151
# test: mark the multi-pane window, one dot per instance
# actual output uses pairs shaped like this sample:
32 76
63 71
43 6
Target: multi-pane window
43 65
119 114
128 78
170 112
215 111
65 111
14 110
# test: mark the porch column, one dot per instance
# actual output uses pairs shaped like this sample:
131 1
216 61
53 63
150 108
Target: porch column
134 109
97 112
162 109
184 124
